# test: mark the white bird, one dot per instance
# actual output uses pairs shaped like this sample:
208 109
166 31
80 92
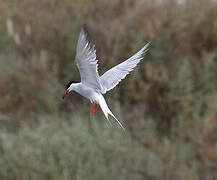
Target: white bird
93 86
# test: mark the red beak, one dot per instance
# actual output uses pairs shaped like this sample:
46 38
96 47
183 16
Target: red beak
66 93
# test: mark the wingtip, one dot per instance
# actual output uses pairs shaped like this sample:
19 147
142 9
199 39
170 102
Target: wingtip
84 29
85 34
147 45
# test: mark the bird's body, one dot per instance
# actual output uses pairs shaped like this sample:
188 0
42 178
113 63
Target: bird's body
94 97
92 86
85 91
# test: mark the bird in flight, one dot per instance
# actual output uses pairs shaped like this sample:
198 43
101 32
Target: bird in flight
93 86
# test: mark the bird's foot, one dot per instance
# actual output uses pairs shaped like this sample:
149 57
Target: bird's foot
93 110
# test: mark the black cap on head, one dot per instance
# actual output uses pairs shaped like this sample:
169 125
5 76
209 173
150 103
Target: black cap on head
70 82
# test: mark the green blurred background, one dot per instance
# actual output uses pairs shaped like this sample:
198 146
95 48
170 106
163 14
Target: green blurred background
167 104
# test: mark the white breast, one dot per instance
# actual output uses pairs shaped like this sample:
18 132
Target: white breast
87 92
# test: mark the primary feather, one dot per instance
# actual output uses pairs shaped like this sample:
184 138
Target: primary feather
112 77
86 61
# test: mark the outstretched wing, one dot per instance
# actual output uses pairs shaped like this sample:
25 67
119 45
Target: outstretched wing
86 61
112 77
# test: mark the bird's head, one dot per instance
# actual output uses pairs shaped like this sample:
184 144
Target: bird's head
69 88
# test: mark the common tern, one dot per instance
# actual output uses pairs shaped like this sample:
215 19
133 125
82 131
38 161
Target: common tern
93 86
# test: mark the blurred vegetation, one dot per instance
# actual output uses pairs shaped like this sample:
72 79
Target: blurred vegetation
168 103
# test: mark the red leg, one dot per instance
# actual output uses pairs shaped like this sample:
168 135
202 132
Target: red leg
93 111
92 108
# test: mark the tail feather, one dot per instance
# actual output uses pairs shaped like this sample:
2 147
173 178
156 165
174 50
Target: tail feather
116 119
107 111
106 115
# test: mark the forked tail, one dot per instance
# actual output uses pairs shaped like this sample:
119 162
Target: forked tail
106 110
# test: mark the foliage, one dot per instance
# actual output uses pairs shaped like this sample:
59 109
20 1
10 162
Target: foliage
168 103
63 148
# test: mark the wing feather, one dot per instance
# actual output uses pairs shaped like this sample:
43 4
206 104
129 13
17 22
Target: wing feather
86 61
112 77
